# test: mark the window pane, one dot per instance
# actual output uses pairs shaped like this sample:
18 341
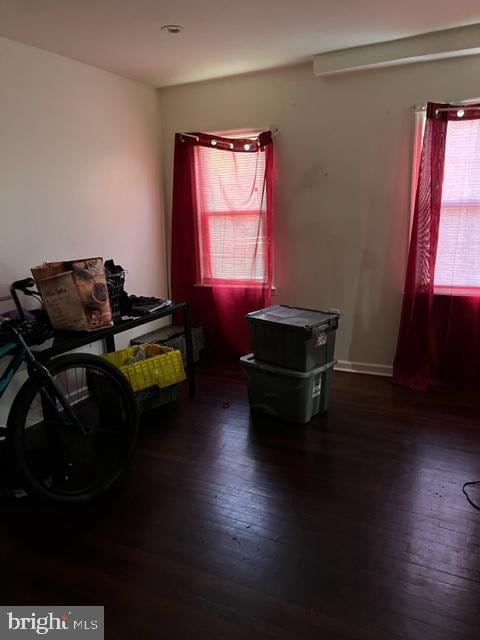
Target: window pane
236 247
230 181
461 180
458 255
231 203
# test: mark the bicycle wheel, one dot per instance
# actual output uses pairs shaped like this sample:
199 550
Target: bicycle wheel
60 460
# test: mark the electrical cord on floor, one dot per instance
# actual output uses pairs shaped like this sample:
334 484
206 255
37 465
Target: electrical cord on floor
468 484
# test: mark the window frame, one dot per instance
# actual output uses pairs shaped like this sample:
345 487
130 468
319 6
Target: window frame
419 130
203 231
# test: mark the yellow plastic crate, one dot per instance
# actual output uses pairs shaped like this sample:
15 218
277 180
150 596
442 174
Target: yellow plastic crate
163 366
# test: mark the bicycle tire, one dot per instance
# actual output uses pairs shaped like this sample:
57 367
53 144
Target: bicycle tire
20 411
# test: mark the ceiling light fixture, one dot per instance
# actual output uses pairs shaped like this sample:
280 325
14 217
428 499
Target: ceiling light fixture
172 28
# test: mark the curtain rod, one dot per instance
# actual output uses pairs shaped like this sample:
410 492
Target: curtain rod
459 107
455 107
191 135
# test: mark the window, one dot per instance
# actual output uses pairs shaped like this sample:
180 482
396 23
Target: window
231 205
457 267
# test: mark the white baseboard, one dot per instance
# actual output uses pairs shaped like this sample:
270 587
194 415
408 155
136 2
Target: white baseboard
364 367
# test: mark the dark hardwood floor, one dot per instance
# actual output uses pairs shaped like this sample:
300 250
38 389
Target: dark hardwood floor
353 526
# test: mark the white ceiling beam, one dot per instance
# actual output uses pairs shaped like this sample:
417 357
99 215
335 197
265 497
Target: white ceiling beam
451 43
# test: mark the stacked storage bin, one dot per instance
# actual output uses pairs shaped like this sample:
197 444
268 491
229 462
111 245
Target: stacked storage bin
289 372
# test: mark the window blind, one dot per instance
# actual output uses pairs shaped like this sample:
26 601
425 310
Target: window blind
457 268
231 215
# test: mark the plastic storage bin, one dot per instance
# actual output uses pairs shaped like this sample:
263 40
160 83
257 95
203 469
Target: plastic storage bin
147 399
292 395
291 337
172 336
163 366
153 397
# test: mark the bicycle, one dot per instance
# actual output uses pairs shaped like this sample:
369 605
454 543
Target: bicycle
72 427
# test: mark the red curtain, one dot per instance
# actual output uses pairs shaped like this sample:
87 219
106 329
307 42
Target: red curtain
222 229
439 336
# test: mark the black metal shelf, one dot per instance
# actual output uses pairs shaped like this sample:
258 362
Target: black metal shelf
68 340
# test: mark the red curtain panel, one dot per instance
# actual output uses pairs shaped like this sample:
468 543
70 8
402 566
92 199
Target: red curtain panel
222 231
438 340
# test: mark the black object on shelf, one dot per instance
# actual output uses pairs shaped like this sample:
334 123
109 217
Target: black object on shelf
143 305
173 336
115 275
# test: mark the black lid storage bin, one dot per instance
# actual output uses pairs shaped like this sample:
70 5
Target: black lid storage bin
291 337
296 396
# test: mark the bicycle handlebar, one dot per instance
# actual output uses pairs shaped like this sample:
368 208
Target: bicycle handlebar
22 285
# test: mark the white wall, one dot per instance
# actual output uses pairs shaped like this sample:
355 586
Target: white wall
344 162
80 171
79 167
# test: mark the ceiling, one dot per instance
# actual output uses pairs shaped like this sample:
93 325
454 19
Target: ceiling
220 37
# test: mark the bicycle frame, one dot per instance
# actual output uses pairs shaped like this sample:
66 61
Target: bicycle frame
20 353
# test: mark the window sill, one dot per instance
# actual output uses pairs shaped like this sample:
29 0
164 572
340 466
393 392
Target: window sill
457 292
240 285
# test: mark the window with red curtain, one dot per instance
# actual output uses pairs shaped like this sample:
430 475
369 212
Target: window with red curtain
457 266
222 230
439 334
231 211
